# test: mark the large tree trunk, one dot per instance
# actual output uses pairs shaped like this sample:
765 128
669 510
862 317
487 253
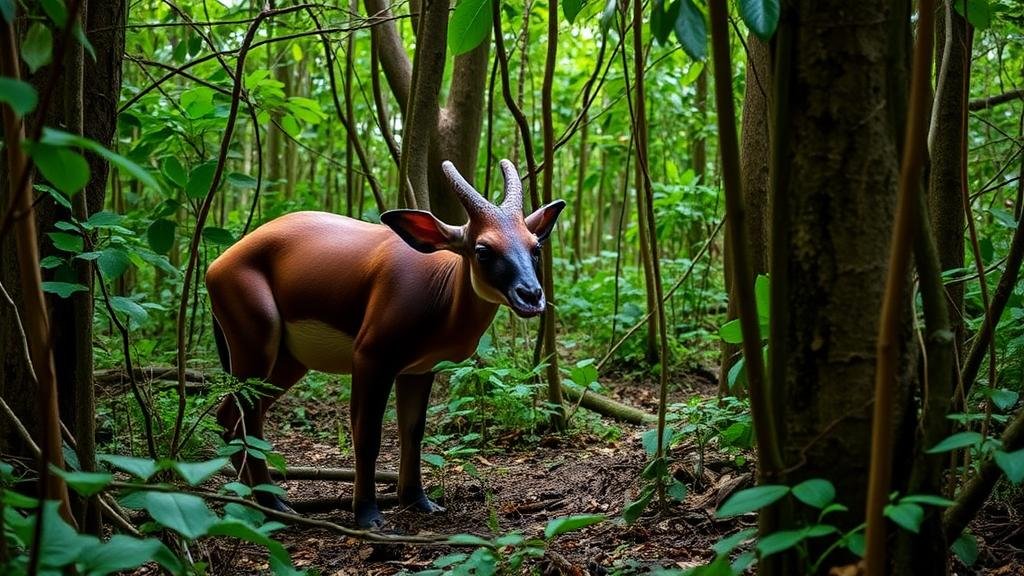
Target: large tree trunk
754 160
841 196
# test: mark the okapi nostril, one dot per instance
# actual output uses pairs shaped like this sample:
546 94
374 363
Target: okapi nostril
529 295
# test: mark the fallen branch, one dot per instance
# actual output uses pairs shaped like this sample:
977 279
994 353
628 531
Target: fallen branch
993 101
606 406
314 473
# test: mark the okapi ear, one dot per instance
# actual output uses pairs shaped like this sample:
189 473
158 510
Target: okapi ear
423 231
542 221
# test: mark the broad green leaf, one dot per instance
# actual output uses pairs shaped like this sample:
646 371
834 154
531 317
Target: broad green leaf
119 553
63 289
649 440
196 473
1004 399
129 308
570 8
186 514
112 263
270 489
160 235
906 514
218 236
726 545
737 374
433 459
751 499
67 242
51 262
56 10
656 468
1012 464
21 96
238 488
200 180
469 25
469 540
172 169
635 509
731 332
928 499
977 12
663 19
60 138
607 19
197 102
242 181
66 169
677 491
244 513
780 541
691 30
958 440
102 219
291 126
58 196
37 47
141 468
966 549
276 460
763 295
560 526
85 483
7 10
816 492
60 544
761 16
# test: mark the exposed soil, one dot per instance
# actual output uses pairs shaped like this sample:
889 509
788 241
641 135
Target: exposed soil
523 486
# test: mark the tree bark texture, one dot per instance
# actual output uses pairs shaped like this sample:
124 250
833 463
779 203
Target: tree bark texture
754 155
841 201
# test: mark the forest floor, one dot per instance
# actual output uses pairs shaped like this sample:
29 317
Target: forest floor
520 487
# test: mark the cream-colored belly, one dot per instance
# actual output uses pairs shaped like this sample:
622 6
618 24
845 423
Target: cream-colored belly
319 346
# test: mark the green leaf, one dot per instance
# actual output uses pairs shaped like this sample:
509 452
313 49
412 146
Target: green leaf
244 513
21 96
67 242
56 11
815 492
241 181
570 8
763 295
276 460
218 236
433 459
966 549
37 47
731 332
906 514
66 169
112 262
607 18
60 138
7 10
1012 464
565 524
85 483
51 262
1003 399
270 489
928 499
979 12
677 491
119 553
751 499
172 169
469 540
63 289
196 473
469 25
200 180
649 440
160 235
129 308
80 36
663 19
103 219
691 31
60 545
726 545
291 126
141 468
635 509
197 102
780 541
958 440
238 488
186 514
761 16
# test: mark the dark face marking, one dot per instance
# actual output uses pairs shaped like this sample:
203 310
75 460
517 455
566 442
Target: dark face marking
506 258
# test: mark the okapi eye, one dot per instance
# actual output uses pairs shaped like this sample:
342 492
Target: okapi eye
483 253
